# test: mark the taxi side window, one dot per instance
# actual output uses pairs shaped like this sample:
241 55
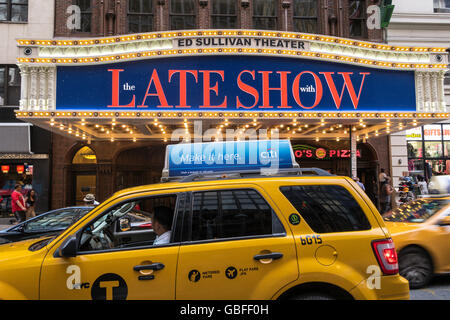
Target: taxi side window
327 208
130 224
230 214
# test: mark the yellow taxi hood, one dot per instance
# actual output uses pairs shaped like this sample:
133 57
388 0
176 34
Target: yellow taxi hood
397 228
15 250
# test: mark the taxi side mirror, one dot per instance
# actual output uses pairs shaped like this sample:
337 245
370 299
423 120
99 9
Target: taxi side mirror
69 248
444 222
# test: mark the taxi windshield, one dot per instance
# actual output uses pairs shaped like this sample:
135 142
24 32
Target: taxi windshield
416 211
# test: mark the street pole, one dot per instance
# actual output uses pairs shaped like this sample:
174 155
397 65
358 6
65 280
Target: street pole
353 168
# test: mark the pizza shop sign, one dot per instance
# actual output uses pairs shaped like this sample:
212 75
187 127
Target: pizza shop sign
309 152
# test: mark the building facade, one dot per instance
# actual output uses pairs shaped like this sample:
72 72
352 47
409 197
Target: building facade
422 150
111 124
24 149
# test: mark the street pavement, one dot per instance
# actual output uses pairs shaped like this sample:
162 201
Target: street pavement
438 289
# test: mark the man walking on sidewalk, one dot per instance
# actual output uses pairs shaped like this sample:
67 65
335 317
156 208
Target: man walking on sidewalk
18 204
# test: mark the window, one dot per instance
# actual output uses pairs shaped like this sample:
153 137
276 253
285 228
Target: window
9 85
230 214
327 208
86 14
265 14
305 16
442 6
140 16
414 149
131 224
14 10
357 18
57 220
84 156
446 148
447 78
438 167
10 175
433 149
224 14
182 14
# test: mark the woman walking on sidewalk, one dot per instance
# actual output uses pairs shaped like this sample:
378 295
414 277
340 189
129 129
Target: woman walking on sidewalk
31 202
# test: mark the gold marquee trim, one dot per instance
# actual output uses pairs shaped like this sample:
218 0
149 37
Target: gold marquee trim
237 114
159 53
257 33
128 39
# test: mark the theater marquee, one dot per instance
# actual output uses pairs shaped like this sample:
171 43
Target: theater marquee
305 86
233 83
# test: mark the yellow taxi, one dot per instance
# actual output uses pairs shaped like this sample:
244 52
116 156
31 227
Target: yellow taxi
421 233
285 236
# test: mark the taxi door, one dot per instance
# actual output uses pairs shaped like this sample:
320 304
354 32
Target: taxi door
135 271
235 246
118 275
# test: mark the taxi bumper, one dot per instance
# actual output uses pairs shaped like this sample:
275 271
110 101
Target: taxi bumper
392 287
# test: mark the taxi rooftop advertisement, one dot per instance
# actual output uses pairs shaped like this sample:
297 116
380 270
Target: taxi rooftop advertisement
234 83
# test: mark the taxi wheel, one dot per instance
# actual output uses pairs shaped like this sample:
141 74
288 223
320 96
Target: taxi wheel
416 267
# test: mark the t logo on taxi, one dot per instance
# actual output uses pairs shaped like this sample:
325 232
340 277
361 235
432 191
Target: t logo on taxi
109 286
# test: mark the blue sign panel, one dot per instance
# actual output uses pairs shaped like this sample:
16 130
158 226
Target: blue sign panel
234 83
188 158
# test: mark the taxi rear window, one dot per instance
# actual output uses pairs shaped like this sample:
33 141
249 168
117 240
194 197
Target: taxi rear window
327 208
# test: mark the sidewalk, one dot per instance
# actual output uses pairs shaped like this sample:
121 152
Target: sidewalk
5 222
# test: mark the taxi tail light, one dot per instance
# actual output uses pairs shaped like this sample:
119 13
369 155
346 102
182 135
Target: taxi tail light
386 255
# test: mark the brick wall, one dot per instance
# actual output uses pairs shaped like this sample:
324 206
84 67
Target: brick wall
109 17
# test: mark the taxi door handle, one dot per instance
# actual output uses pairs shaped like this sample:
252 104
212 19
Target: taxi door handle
273 256
154 266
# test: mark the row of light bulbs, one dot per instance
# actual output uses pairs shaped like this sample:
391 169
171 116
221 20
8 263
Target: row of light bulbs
297 128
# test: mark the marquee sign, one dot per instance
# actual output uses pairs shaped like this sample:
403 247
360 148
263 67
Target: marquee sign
234 83
240 42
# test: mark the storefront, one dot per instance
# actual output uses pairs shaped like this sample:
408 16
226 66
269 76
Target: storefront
429 149
24 159
127 97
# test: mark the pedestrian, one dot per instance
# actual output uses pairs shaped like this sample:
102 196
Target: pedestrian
382 176
31 203
422 185
386 191
89 200
359 183
18 204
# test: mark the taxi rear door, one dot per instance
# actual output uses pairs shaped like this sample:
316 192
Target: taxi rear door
236 245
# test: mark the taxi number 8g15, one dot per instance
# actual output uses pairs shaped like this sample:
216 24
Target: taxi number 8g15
311 239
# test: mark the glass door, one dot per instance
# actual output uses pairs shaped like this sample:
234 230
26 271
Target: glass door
84 184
